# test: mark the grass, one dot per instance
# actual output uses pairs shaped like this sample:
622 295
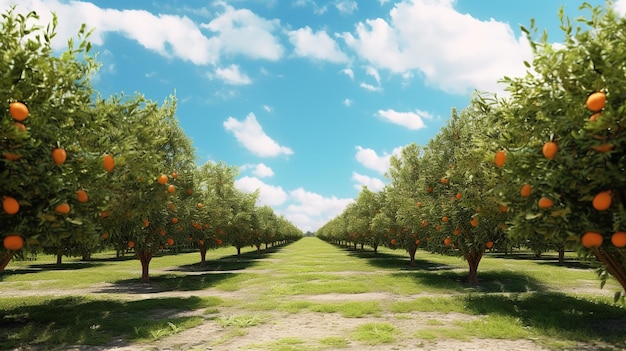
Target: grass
519 297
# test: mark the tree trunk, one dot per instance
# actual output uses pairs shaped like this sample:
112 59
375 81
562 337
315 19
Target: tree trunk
355 246
562 255
375 246
258 249
265 246
612 266
86 256
473 258
144 258
412 251
238 250
5 258
362 246
202 254
59 259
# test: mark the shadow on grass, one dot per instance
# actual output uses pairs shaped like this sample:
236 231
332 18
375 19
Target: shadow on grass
38 268
394 261
52 323
167 282
230 263
558 316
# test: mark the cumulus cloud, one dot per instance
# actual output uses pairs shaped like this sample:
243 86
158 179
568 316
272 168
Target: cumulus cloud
453 51
409 120
260 170
348 72
370 87
373 184
346 7
231 75
371 160
250 134
311 210
268 194
317 9
267 108
371 71
316 45
620 7
347 102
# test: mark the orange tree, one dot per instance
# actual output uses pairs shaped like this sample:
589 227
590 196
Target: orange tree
45 145
144 142
267 227
565 138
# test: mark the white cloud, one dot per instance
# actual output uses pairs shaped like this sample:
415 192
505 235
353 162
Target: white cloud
250 134
347 102
317 46
383 2
318 10
620 7
262 171
268 194
373 184
348 72
267 108
370 159
410 120
371 71
231 75
346 7
312 210
455 58
370 87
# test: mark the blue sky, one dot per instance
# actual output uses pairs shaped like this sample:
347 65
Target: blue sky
308 98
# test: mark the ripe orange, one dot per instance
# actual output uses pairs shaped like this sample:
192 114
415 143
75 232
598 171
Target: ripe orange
170 242
105 235
105 214
10 205
595 117
162 232
162 179
131 244
171 188
108 162
459 196
13 242
619 239
596 101
591 239
604 147
63 208
59 156
503 208
549 150
425 223
526 190
437 227
456 231
20 126
474 222
201 242
417 242
545 202
500 158
18 111
419 204
174 175
189 192
146 222
444 181
11 156
81 196
489 244
447 241
171 206
393 241
430 189
602 200
200 205
219 241
174 220
444 218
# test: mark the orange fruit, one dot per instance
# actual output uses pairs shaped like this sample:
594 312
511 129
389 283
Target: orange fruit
459 196
602 200
444 218
162 179
171 206
81 196
13 242
10 205
108 162
456 231
419 204
200 242
171 188
417 242
162 232
425 223
444 181
189 192
146 222
545 202
18 111
604 147
200 205
430 189
63 208
437 227
474 222
20 126
503 208
393 241
500 158
105 214
170 242
526 190
59 156
489 244
596 101
174 220
11 156
447 241
174 175
131 244
618 239
549 150
591 239
595 117
105 235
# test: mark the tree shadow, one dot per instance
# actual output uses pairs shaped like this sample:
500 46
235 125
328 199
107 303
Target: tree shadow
55 322
558 316
38 268
229 263
167 282
393 261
